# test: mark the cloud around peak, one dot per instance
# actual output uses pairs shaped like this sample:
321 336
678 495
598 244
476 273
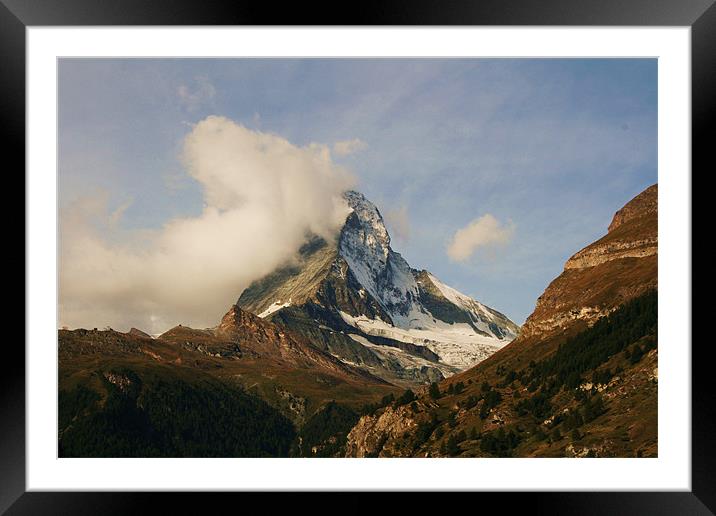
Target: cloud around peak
483 232
262 195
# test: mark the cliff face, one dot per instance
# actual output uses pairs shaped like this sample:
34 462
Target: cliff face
374 434
643 205
631 234
617 267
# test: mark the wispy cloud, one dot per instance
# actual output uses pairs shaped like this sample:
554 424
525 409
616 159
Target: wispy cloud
485 231
347 147
116 216
193 97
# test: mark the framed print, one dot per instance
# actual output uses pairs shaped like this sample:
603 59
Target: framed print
421 250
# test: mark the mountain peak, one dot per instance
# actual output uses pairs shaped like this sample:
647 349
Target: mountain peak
361 301
366 223
643 204
619 266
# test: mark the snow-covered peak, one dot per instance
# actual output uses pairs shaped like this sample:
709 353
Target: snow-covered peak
461 300
378 295
483 317
366 225
365 245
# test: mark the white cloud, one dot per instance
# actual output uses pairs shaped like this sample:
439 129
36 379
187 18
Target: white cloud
485 231
262 195
346 147
193 98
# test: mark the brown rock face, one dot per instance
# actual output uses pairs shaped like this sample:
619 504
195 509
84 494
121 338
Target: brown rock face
371 435
643 205
135 332
268 340
632 234
596 280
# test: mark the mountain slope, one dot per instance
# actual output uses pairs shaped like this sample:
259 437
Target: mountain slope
617 267
361 301
580 380
128 394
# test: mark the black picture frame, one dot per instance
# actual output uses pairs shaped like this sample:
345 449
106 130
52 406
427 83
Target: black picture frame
16 15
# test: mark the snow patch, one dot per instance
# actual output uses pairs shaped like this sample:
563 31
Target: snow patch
405 359
275 307
457 345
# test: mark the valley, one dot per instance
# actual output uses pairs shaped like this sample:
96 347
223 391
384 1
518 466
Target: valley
349 351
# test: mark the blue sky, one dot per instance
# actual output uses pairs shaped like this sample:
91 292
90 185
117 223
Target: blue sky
549 147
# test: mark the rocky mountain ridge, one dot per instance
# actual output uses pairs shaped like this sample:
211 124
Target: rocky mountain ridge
597 279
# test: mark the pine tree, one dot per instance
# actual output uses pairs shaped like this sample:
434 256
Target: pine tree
434 391
451 448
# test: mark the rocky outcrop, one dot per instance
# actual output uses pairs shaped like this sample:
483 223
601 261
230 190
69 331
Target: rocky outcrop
373 435
597 279
643 205
122 382
596 255
631 234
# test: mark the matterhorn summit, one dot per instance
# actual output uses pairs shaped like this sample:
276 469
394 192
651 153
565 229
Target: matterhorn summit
361 301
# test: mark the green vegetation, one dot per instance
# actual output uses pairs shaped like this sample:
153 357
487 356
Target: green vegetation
434 391
490 400
587 351
371 408
631 329
169 418
538 406
327 430
470 402
499 442
425 430
407 397
592 408
594 346
75 403
602 376
451 447
510 377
